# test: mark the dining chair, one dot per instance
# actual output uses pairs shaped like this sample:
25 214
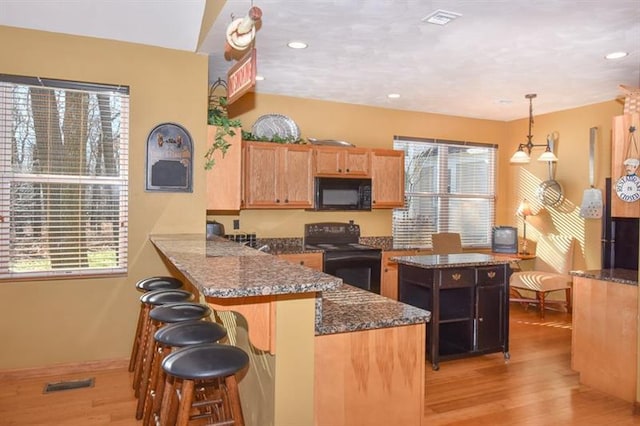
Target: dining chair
446 243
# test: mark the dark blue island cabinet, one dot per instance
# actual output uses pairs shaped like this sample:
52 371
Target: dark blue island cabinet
468 296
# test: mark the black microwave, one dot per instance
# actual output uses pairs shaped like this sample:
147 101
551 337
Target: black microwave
342 194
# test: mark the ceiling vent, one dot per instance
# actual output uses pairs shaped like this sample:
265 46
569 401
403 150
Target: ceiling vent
441 17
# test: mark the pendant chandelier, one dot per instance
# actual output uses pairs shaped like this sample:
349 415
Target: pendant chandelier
522 157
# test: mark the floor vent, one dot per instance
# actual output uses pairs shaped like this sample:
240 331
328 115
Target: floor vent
68 385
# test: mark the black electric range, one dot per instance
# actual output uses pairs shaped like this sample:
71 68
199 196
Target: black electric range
344 257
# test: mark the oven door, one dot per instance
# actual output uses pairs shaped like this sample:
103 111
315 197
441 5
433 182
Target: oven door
357 268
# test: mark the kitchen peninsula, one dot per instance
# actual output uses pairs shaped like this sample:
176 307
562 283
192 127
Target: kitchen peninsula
604 339
321 352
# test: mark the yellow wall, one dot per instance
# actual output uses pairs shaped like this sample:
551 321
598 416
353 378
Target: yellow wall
65 321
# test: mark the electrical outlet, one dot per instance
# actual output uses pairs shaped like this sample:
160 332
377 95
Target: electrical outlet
236 223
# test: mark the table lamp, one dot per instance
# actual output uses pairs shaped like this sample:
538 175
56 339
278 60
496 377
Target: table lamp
524 210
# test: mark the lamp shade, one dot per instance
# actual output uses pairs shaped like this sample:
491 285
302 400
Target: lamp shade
524 209
520 157
548 156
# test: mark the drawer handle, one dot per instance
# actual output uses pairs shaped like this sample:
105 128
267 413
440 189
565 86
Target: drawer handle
456 277
491 274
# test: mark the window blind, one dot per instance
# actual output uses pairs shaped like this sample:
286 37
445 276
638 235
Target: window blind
449 187
64 177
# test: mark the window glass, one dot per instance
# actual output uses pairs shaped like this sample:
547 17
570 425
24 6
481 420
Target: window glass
449 187
63 177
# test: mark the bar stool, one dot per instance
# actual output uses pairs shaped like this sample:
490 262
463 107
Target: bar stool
148 301
167 338
146 285
212 367
168 313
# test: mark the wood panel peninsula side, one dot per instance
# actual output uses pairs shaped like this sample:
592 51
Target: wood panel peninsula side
321 352
468 296
604 337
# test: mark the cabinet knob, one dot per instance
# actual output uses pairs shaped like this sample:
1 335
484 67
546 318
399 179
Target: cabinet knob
347 170
286 200
277 200
302 262
456 277
339 170
480 319
491 274
386 270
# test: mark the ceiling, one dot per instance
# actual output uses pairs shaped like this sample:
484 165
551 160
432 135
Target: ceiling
480 65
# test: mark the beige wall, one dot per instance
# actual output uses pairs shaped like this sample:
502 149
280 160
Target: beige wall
64 321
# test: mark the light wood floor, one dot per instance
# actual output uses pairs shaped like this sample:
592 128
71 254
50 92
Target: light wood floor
536 387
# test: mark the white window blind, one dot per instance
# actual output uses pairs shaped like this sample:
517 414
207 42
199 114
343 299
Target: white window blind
449 187
64 177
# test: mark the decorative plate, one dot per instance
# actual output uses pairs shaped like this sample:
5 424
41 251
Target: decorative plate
270 125
329 142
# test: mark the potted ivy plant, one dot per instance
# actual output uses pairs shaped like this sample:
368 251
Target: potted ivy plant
225 128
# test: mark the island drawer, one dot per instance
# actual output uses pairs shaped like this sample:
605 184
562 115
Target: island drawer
456 277
490 275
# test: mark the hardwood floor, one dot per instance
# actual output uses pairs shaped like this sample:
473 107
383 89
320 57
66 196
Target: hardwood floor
535 387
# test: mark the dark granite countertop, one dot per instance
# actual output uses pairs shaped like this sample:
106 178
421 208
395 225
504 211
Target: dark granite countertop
222 268
349 308
621 276
451 260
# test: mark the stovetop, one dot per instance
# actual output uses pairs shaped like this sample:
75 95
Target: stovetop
340 247
334 237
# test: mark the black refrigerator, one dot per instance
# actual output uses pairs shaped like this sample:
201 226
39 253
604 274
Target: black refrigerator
619 237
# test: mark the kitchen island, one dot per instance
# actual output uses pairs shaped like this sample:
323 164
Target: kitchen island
468 296
312 341
604 338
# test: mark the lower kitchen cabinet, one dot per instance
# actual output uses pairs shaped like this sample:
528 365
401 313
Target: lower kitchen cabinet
310 260
469 308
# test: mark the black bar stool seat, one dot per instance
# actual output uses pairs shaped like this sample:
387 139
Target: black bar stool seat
213 367
158 283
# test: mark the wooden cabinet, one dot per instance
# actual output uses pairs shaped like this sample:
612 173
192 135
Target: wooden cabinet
342 162
224 180
387 178
310 260
389 276
604 337
278 176
620 151
469 307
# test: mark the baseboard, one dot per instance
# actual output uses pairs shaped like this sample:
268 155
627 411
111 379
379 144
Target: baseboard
63 369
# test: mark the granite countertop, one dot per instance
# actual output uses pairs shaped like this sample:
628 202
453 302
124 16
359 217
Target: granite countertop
621 276
451 260
349 308
222 268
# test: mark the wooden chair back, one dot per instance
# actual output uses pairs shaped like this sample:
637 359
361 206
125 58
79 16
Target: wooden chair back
446 243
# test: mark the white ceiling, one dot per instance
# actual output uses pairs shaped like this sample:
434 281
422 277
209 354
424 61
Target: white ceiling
481 65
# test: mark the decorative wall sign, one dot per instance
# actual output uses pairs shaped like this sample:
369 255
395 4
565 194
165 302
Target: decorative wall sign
169 159
628 186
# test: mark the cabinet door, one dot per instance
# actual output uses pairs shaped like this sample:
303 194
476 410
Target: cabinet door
491 317
387 176
263 166
328 161
310 260
296 179
357 162
224 180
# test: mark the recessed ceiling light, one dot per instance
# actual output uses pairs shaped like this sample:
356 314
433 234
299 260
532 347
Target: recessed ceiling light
393 95
616 55
297 45
504 101
259 78
441 17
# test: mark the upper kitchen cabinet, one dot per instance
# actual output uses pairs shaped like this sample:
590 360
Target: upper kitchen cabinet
224 180
625 153
278 176
387 178
342 161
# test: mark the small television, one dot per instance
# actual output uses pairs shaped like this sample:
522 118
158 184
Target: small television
504 239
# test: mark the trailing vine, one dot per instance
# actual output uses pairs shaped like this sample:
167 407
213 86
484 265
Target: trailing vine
225 128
